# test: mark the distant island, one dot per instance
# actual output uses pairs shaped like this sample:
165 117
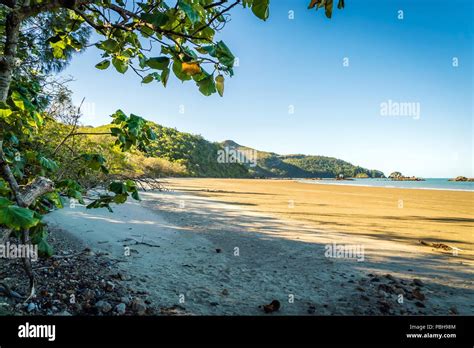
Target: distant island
462 178
397 176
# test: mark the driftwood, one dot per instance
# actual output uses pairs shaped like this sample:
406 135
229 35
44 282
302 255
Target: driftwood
5 289
440 246
138 242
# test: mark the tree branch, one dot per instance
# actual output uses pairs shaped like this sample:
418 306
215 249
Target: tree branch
24 198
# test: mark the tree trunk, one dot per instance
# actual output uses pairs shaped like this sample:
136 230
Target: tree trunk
7 62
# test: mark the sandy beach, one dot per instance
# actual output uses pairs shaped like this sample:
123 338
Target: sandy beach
216 246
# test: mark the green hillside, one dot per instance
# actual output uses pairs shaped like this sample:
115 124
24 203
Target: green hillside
301 166
175 153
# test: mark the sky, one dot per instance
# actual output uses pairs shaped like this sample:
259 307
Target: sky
367 86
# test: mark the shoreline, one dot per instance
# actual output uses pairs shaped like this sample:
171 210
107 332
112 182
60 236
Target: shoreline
319 182
183 260
195 259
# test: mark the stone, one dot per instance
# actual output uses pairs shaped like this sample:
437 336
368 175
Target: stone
121 308
103 306
138 306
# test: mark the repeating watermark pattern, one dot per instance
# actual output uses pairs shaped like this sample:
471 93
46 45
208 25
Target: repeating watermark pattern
88 109
400 14
455 62
345 251
400 204
19 251
37 331
242 156
400 298
345 62
401 109
291 15
291 109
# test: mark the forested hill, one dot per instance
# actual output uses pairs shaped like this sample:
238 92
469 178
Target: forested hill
176 153
270 164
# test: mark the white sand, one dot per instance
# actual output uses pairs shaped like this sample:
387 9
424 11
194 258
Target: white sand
276 259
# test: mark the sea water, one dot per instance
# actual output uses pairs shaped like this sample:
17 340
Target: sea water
428 184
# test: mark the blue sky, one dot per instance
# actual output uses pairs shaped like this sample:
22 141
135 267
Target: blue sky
297 64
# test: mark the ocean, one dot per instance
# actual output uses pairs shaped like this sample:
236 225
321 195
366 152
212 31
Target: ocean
428 184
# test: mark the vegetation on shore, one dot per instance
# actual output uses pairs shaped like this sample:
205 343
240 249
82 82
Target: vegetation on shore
272 165
40 158
178 154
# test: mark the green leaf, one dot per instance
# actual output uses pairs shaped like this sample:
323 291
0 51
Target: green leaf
191 13
148 78
178 71
164 76
4 202
103 65
18 100
207 86
224 55
135 195
4 113
44 249
109 45
159 63
48 164
120 65
55 198
118 187
158 19
261 9
220 85
17 218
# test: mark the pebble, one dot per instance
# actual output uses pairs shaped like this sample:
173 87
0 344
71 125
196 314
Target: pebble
109 286
420 304
418 294
121 308
88 294
418 282
31 307
103 306
138 306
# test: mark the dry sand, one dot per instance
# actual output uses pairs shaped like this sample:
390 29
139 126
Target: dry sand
229 246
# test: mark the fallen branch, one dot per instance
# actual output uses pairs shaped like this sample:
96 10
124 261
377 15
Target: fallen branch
5 289
137 242
440 246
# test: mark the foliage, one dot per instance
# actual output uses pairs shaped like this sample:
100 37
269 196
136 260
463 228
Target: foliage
150 38
302 166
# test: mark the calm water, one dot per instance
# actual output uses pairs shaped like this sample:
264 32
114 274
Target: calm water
428 184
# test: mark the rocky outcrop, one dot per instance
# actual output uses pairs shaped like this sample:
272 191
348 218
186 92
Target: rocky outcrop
462 178
397 176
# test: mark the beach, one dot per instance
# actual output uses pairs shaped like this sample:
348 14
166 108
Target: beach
229 246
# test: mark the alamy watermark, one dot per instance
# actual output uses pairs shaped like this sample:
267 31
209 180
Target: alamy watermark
402 109
233 155
345 251
18 251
